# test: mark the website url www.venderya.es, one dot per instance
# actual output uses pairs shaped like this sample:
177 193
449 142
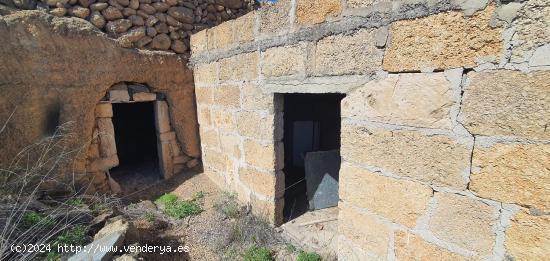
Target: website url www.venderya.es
98 248
93 248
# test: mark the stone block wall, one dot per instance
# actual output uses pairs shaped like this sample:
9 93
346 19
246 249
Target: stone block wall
445 137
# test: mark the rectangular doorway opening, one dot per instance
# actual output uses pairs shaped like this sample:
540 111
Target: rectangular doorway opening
311 151
136 143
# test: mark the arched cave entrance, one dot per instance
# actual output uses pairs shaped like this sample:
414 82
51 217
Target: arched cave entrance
134 143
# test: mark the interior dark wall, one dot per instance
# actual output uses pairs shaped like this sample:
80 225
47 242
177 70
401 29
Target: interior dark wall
135 133
324 111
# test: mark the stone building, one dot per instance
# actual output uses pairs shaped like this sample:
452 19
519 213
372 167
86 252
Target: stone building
440 108
437 111
64 70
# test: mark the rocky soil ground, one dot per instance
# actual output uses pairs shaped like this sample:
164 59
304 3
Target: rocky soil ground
148 24
223 230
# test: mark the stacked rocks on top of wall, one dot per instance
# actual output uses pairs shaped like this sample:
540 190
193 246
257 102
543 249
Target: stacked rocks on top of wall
149 24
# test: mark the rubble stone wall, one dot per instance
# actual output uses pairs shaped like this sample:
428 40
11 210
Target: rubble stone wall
146 24
445 138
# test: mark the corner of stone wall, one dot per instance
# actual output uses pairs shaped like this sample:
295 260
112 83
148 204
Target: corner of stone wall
444 136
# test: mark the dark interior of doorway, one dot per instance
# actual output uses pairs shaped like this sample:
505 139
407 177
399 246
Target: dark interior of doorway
311 123
136 142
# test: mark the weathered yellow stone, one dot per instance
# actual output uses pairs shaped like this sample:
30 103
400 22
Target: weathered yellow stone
230 144
528 237
144 96
314 12
223 119
247 70
162 117
267 184
204 95
199 42
254 99
167 136
215 160
104 110
441 41
464 221
409 247
259 155
209 138
509 103
347 54
530 29
255 125
286 60
215 176
436 159
228 68
107 144
376 193
227 95
203 116
224 34
365 231
211 36
513 173
206 73
275 18
422 100
245 27
166 159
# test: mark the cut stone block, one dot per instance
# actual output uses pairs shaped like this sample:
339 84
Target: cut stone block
104 110
513 173
419 99
368 190
137 88
165 159
528 237
144 96
507 103
442 41
176 151
464 221
412 247
162 121
365 231
119 96
437 159
107 144
167 136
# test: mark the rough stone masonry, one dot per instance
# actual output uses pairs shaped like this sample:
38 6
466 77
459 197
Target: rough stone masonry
145 24
445 125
